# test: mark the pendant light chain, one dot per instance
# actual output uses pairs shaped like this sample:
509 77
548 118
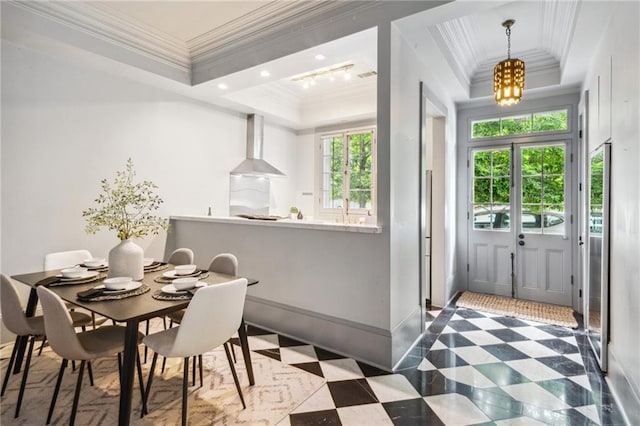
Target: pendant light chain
508 31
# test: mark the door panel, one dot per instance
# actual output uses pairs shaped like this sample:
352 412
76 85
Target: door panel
519 235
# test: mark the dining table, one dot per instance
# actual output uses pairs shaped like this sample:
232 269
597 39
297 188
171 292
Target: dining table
131 311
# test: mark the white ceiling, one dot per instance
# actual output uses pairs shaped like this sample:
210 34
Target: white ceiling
461 41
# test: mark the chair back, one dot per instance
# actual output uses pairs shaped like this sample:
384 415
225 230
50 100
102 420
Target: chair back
13 316
181 256
224 263
65 259
217 309
59 326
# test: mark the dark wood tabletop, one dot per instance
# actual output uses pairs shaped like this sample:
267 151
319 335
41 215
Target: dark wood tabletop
139 307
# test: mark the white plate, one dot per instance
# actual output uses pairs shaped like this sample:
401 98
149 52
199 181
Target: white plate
170 289
172 274
127 287
87 275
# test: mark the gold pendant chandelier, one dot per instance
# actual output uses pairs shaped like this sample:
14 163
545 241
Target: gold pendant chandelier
508 75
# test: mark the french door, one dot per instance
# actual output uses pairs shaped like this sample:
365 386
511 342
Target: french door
519 221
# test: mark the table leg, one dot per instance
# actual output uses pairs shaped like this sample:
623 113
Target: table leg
128 371
22 340
246 353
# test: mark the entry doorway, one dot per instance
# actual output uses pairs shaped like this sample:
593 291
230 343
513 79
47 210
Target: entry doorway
520 236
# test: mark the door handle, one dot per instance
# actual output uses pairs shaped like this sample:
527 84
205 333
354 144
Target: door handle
520 243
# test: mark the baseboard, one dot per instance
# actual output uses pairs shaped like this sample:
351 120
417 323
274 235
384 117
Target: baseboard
362 342
627 398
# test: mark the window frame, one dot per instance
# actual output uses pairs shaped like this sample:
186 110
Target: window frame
339 213
530 113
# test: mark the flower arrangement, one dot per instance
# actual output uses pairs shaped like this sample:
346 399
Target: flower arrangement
126 207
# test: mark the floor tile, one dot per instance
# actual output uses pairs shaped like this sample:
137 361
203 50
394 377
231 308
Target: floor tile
252 330
453 340
533 349
445 358
371 414
340 369
425 365
534 370
393 387
563 365
568 391
411 412
474 355
467 375
534 333
271 353
511 322
298 354
531 393
486 323
319 401
560 346
455 409
590 412
504 352
468 313
463 325
438 345
508 335
370 371
311 367
327 417
557 331
501 374
582 381
577 358
263 341
519 421
287 341
346 393
324 354
481 337
447 330
429 382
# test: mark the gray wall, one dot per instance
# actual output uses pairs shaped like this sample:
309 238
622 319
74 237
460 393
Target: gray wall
615 62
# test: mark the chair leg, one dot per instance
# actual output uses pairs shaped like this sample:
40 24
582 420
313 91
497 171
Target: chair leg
11 361
145 400
200 365
146 332
119 366
44 340
76 396
90 371
93 320
25 373
73 366
185 382
193 371
164 362
140 381
63 366
233 351
164 322
235 376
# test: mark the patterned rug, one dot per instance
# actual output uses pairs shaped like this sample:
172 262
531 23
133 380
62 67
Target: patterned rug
278 390
524 309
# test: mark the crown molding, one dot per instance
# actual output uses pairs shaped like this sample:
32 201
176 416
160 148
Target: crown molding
456 38
558 24
108 25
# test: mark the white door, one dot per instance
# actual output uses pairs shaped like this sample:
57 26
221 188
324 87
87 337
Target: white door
529 257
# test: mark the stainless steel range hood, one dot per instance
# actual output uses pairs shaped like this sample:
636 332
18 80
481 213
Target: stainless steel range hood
254 165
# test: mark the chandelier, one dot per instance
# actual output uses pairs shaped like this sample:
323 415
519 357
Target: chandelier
508 75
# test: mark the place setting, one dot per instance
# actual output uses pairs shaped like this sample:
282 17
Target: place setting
98 264
180 289
69 276
181 271
113 289
151 265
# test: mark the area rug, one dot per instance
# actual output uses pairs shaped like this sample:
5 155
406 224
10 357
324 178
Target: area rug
278 390
524 309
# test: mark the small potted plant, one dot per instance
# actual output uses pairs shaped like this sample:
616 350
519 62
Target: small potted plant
125 207
293 212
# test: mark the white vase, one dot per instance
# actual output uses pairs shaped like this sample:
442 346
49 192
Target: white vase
126 260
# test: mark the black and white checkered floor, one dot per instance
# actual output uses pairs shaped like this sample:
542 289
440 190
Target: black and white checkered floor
471 367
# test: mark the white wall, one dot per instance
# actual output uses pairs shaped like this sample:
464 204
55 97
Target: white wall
66 126
620 48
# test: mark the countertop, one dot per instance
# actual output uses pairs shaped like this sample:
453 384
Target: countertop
285 223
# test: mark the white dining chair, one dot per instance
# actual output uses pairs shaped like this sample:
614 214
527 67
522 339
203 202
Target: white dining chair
84 347
223 263
68 259
181 256
18 323
219 305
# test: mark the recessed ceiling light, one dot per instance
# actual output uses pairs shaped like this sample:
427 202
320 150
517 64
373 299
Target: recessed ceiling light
320 57
222 86
265 73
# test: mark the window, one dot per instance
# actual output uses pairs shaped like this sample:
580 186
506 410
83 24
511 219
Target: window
347 183
491 189
538 122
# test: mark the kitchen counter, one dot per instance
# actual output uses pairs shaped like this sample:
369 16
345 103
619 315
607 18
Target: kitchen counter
286 223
